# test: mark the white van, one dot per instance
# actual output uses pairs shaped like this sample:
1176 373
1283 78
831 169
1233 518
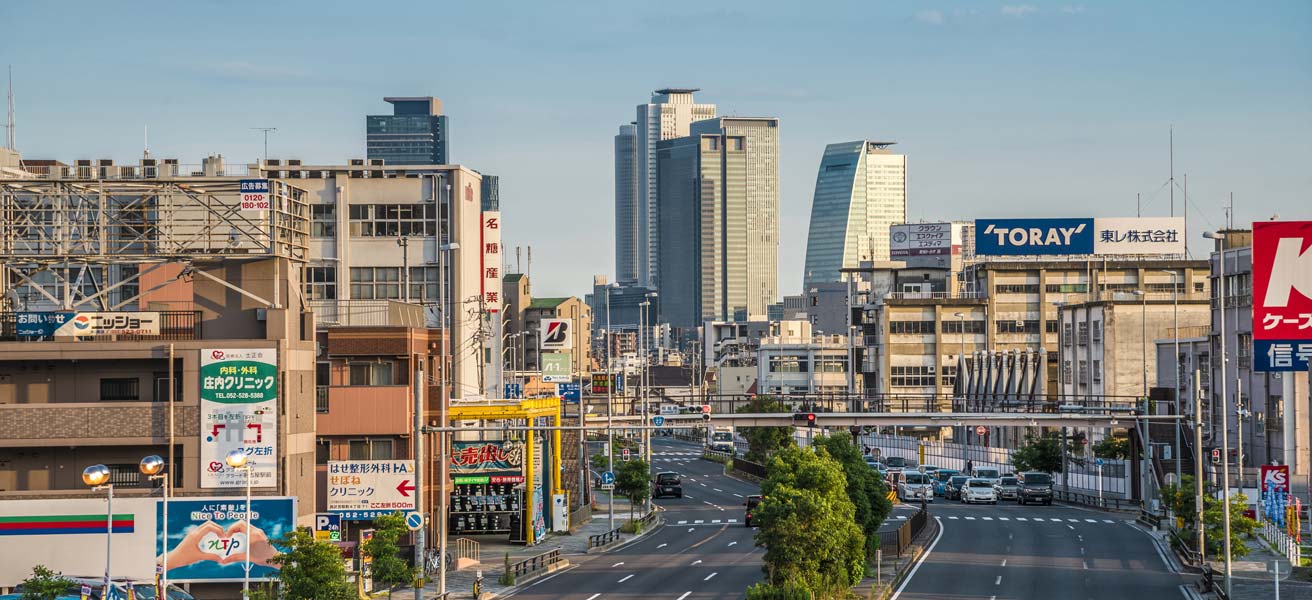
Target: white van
915 486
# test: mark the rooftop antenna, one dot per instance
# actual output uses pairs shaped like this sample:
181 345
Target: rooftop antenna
11 137
145 141
266 131
1171 155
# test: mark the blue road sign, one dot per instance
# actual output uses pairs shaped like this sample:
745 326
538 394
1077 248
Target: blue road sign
1098 462
414 520
514 390
569 392
607 478
658 421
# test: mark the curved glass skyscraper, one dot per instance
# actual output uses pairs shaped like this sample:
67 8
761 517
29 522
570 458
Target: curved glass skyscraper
860 191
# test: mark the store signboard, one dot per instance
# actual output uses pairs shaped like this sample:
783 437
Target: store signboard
924 239
557 367
208 537
239 411
492 260
486 457
86 324
371 487
1282 295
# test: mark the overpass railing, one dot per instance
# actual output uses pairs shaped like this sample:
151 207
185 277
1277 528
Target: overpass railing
895 403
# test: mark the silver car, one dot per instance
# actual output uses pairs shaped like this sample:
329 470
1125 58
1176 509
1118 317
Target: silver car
1007 488
978 490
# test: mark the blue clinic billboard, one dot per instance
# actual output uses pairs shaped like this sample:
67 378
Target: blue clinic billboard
207 538
1018 237
1101 236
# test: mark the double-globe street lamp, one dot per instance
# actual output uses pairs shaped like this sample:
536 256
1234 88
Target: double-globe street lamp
98 478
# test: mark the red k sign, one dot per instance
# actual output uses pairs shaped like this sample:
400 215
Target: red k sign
1282 280
1275 478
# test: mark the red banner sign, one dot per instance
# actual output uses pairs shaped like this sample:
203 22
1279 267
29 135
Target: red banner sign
1282 280
1275 478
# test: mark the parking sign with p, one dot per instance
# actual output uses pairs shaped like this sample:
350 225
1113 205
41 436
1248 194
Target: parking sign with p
328 527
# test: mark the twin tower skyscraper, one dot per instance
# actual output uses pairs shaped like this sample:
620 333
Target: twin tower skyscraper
697 208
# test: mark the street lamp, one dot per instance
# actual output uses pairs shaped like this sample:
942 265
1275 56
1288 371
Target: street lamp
610 410
97 476
443 496
1175 329
1144 436
961 372
237 460
153 468
1225 417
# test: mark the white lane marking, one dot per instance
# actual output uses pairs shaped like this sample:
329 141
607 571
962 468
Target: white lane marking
627 577
1081 550
661 546
1073 520
987 518
901 517
953 518
687 496
702 484
698 522
707 503
1003 519
592 597
919 562
692 529
1055 520
732 521
993 598
1086 564
1021 519
738 495
733 543
1072 528
681 523
1004 562
708 577
970 518
1091 520
999 581
616 564
696 562
717 489
685 595
1108 521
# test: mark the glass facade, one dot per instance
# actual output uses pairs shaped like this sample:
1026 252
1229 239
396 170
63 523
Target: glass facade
415 134
860 191
626 205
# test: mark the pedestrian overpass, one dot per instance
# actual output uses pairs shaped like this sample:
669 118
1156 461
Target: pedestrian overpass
910 419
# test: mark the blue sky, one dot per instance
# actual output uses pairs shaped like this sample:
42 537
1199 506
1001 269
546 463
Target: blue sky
1003 108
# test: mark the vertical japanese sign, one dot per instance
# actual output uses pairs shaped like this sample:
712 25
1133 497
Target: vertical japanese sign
1282 295
239 411
491 239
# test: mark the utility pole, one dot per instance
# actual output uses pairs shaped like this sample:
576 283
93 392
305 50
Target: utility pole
266 131
421 542
1225 416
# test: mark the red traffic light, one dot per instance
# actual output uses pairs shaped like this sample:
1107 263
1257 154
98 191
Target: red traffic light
808 417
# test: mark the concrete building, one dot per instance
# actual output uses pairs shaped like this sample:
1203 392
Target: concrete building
795 362
414 134
860 191
669 115
627 208
825 306
1107 350
523 321
719 221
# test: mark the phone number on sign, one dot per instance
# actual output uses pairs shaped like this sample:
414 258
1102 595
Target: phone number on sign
240 395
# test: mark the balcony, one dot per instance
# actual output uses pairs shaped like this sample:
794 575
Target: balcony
367 313
366 410
174 325
94 423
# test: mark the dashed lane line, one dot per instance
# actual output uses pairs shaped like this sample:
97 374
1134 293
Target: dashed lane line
627 577
708 577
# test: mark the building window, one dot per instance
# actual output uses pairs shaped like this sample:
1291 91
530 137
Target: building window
1050 326
357 450
1066 371
948 375
370 449
1016 288
1245 350
323 220
911 327
915 376
831 365
1066 335
376 283
1015 326
320 283
1066 288
956 325
1097 331
393 220
372 373
162 387
788 364
120 389
1097 371
323 452
423 284
1083 373
1083 335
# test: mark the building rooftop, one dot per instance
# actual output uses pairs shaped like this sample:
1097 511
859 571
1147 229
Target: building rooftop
541 303
512 277
677 90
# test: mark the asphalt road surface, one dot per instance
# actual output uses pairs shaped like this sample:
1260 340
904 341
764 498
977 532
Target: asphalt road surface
703 552
1038 552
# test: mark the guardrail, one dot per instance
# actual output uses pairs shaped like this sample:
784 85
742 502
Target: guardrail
898 540
1095 501
1149 520
1283 542
601 539
749 467
721 457
470 549
647 519
535 563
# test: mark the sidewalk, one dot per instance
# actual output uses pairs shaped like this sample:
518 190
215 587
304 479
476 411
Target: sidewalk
892 568
493 550
1253 577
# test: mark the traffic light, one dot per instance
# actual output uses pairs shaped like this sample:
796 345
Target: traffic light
808 417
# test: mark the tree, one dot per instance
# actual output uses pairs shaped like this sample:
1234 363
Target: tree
865 488
762 442
1112 447
633 482
808 524
387 566
311 569
1181 501
1041 453
44 584
788 590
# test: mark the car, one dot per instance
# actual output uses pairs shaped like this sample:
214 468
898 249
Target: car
117 591
667 483
952 489
1008 488
941 478
896 462
928 469
915 486
978 490
1035 487
989 473
751 504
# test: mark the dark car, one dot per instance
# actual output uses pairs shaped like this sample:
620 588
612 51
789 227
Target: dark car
1035 487
667 484
952 489
751 504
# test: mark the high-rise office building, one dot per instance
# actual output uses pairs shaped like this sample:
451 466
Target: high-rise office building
719 221
626 207
491 192
860 191
669 115
414 134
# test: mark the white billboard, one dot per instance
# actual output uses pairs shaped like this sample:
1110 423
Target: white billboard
491 240
1138 235
69 536
364 489
924 239
556 334
239 411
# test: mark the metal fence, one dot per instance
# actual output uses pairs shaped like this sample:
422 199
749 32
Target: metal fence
748 467
468 549
898 540
535 563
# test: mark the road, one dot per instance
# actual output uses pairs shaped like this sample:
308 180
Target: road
704 551
1014 552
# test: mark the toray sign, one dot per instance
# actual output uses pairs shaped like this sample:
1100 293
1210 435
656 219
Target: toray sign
1000 237
1282 295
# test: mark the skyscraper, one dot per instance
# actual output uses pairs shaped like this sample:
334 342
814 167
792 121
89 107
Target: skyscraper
668 116
414 134
719 221
860 191
491 192
626 207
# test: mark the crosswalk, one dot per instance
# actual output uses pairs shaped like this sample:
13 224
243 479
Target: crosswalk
676 453
1031 519
707 522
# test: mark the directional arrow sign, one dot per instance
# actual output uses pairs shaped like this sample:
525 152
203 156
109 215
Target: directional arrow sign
607 478
365 489
405 488
658 421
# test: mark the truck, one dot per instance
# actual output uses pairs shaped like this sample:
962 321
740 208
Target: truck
720 439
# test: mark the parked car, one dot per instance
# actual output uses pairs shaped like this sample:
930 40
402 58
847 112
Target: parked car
1008 488
952 489
978 490
941 478
667 483
915 486
1035 487
751 504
